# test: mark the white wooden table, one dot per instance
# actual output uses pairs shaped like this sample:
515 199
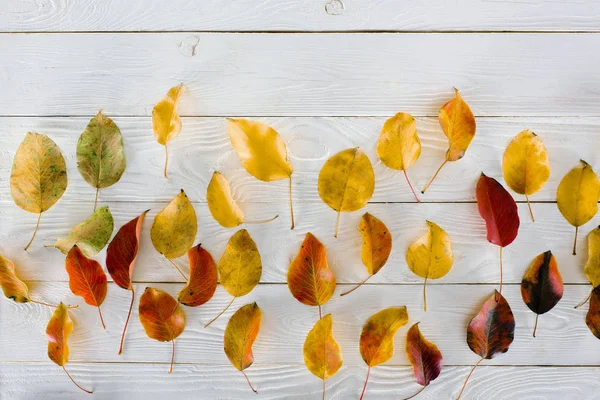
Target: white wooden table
325 74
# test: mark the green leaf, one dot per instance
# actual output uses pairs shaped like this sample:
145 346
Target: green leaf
91 235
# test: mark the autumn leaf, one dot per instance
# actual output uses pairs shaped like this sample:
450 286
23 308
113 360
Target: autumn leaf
525 165
91 235
542 286
240 267
222 206
240 334
86 279
491 331
499 211
322 354
58 330
262 151
430 256
577 197
376 248
161 317
120 259
100 155
398 146
38 178
377 337
203 278
458 123
592 318
174 229
165 119
309 278
346 182
424 356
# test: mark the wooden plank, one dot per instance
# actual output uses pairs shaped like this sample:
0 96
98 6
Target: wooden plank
300 74
297 15
475 260
150 382
286 323
203 146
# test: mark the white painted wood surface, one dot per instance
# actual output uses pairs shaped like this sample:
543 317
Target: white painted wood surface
323 92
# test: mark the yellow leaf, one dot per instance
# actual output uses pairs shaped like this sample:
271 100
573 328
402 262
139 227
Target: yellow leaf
322 354
577 196
240 334
12 286
592 267
165 119
430 256
262 151
174 228
398 146
458 123
346 181
38 177
377 337
525 164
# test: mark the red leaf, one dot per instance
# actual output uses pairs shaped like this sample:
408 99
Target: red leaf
492 330
592 319
423 355
499 211
203 278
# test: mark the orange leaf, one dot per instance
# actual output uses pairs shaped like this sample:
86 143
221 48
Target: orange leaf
86 279
203 278
309 278
12 286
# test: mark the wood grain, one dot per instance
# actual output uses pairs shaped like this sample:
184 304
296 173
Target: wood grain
203 146
302 15
287 321
300 74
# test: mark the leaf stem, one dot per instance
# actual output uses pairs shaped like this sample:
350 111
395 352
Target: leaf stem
221 313
172 356
434 175
262 221
500 291
101 319
320 312
425 295
337 224
50 246
575 241
530 210
366 381
178 269
72 380
584 301
410 186
248 380
357 286
127 321
416 394
34 232
96 200
323 389
166 160
291 206
468 376
48 304
536 322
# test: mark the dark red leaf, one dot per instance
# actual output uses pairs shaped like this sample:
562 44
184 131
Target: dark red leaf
592 319
492 330
423 355
499 211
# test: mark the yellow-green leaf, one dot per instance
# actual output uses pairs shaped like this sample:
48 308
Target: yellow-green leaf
174 229
165 119
12 286
38 177
91 235
347 181
577 196
592 267
430 256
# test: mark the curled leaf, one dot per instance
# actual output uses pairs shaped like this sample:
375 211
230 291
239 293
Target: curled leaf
430 256
458 123
91 235
424 356
161 317
240 267
262 151
525 165
86 279
398 146
203 278
240 334
309 278
38 178
542 286
322 354
499 211
120 259
221 204
377 337
12 286
165 119
346 182
577 196
376 248
58 330
100 155
174 229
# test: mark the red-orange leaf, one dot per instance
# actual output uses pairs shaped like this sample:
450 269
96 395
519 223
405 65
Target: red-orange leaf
86 279
423 355
309 278
203 278
592 319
